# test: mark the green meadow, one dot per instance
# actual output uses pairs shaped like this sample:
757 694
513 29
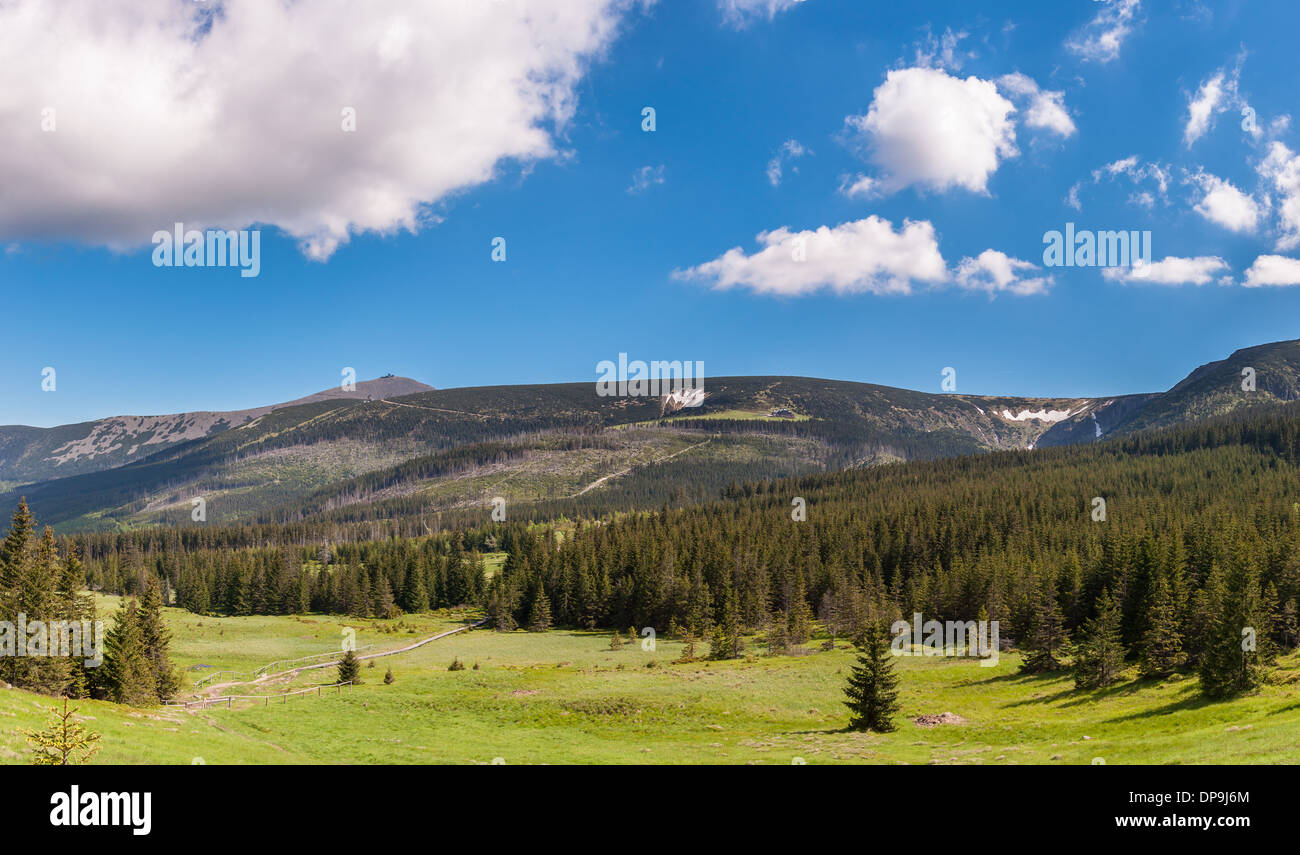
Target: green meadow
565 697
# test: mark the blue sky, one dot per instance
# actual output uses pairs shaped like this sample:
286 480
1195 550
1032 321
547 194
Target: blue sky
596 266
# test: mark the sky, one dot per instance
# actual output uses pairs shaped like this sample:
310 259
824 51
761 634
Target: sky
830 188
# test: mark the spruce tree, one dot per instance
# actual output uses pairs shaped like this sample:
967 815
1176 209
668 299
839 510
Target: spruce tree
127 676
688 648
43 670
800 615
155 639
15 558
1099 656
388 676
778 636
1289 624
385 604
872 689
1047 634
302 600
349 667
1231 664
539 620
74 606
1162 643
415 594
726 642
65 741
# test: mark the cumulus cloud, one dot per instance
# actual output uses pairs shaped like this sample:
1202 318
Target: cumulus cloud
740 13
1277 270
928 129
994 271
1169 271
645 178
1224 204
1042 109
1101 39
790 150
863 256
167 111
1282 169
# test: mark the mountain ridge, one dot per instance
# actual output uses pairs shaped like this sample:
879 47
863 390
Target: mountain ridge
438 449
112 441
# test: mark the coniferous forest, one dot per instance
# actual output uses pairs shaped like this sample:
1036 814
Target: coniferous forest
1166 548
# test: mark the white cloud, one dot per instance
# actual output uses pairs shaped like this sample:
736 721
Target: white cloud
941 52
790 150
1282 168
1273 270
929 129
994 271
1169 271
1202 107
740 13
1217 94
1224 204
1137 173
1072 197
1042 109
170 111
1101 38
645 178
859 186
863 256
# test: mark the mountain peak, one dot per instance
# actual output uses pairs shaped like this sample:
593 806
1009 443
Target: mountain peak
388 386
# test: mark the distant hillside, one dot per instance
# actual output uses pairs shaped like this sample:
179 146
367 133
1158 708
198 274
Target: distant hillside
1216 387
29 454
560 448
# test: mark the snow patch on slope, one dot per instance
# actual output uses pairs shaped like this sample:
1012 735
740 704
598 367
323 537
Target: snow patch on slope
1037 415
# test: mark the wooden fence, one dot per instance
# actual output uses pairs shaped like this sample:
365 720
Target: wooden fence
283 697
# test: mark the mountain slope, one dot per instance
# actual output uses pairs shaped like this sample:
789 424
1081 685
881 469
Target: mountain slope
562 448
457 447
1216 388
30 454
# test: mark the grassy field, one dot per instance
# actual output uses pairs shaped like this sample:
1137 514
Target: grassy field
565 697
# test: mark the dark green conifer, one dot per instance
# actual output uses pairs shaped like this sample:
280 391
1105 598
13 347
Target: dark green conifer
1162 643
872 689
1099 656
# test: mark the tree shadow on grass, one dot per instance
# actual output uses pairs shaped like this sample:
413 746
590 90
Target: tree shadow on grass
1195 702
1115 690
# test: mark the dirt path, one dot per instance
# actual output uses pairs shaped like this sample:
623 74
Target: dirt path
286 676
603 479
432 409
